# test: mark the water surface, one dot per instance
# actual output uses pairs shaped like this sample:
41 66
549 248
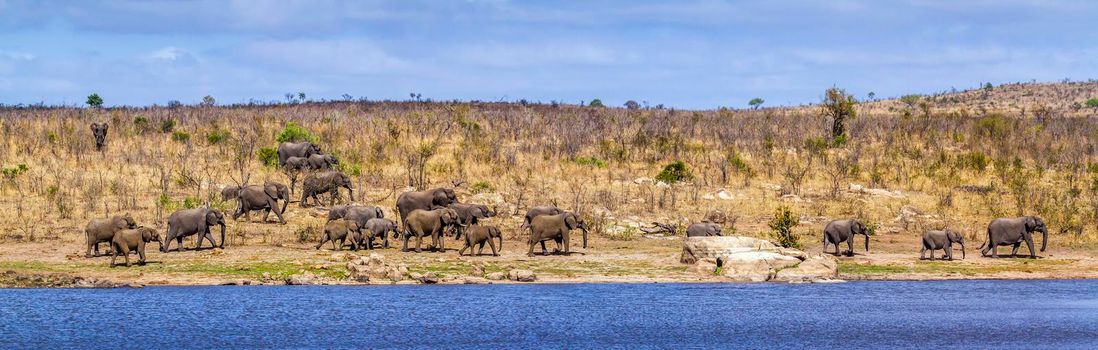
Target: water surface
856 315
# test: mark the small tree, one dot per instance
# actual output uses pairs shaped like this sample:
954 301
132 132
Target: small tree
782 224
871 95
839 106
208 101
1093 102
632 104
755 103
674 172
597 103
94 100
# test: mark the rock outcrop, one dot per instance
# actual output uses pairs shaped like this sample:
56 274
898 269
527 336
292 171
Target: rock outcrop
374 268
754 260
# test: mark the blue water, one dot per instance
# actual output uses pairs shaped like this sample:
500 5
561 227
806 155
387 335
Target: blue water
856 315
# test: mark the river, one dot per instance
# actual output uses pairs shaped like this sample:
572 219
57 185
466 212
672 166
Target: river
855 315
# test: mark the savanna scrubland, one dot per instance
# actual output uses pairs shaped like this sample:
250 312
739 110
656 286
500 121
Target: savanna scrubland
903 166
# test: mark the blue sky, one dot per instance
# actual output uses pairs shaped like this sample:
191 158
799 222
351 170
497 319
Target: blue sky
686 54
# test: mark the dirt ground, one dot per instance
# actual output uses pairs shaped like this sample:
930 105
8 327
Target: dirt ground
641 260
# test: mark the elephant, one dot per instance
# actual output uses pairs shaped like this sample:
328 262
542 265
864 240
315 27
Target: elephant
126 241
196 221
424 200
934 239
264 197
230 192
339 230
103 230
478 235
1013 231
99 130
471 214
296 149
324 182
555 227
377 228
429 222
321 162
703 229
293 168
839 231
360 212
538 211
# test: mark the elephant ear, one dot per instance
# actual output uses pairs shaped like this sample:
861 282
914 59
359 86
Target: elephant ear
271 190
211 217
1031 223
570 221
378 213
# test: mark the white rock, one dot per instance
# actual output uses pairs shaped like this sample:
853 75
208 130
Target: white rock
725 195
662 184
642 180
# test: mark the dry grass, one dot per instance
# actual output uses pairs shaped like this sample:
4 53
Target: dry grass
957 162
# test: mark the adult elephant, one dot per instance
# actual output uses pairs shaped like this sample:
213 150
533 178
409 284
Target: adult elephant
296 149
555 227
325 182
423 200
422 223
703 229
935 239
265 198
1014 231
99 130
196 221
471 214
839 231
103 230
343 210
293 168
539 211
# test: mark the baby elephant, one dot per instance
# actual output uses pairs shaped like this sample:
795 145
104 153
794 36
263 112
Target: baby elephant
476 234
376 228
126 241
338 230
934 240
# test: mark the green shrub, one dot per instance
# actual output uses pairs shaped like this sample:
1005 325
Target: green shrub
596 103
14 171
590 161
217 136
295 133
268 156
51 137
167 125
993 126
674 172
181 136
974 160
782 224
140 123
349 168
910 100
1092 103
481 187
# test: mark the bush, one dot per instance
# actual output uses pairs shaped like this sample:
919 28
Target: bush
590 161
674 172
14 171
974 160
268 156
95 101
481 187
782 224
167 125
217 136
140 123
181 136
295 133
1092 103
352 169
596 103
910 100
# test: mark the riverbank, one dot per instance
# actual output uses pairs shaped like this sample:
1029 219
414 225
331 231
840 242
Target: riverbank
642 260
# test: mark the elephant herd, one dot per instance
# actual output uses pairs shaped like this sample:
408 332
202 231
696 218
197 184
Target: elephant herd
123 235
1000 232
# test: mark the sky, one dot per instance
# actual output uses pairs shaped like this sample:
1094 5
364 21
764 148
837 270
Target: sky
684 54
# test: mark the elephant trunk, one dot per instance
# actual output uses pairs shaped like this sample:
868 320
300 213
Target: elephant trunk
1044 242
351 193
962 250
500 244
584 238
866 243
286 202
222 246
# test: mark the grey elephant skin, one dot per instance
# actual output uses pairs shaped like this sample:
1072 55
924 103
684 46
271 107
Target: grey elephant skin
936 239
196 221
470 214
478 236
1014 231
839 231
325 182
265 197
555 227
424 200
296 149
337 231
420 223
377 228
99 130
703 229
127 241
321 162
540 210
103 230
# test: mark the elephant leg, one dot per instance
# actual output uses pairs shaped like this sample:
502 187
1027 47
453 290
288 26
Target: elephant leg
932 254
274 207
850 245
994 249
335 246
531 251
323 239
112 259
922 253
442 242
1029 244
419 240
463 248
1014 252
141 252
209 237
125 254
179 244
544 251
495 252
405 244
567 246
